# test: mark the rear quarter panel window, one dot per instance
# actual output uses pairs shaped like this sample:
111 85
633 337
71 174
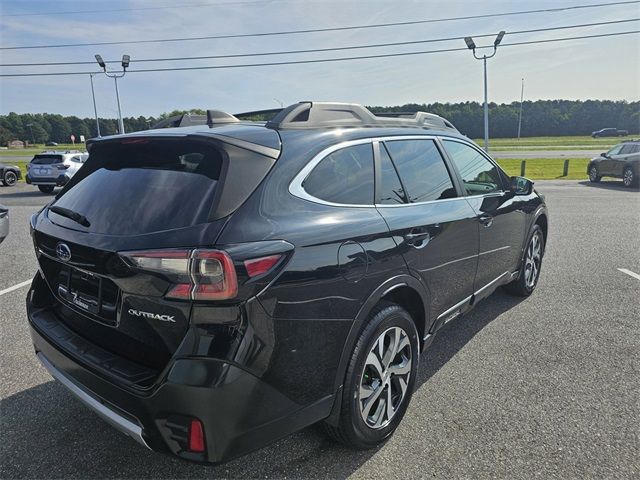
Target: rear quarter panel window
344 176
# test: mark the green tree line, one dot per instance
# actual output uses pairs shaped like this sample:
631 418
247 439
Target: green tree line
539 118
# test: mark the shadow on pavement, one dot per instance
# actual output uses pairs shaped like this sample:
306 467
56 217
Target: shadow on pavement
45 433
610 185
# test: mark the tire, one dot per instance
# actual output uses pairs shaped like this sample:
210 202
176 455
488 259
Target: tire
594 174
9 178
387 325
629 178
525 284
46 188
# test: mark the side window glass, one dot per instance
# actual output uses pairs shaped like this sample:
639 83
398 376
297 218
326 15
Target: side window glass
615 150
344 176
626 149
422 170
390 190
478 174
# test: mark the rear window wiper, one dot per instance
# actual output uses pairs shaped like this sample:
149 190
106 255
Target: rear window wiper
75 216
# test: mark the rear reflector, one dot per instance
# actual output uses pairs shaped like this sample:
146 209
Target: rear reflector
259 266
196 436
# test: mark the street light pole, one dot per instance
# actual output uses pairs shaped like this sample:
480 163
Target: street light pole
520 114
120 122
472 46
115 75
95 109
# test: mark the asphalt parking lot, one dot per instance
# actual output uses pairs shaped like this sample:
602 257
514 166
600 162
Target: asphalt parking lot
544 387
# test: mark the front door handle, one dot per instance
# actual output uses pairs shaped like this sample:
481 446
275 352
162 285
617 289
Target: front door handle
485 219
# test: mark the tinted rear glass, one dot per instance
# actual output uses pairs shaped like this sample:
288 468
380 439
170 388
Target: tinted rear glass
46 159
345 176
145 188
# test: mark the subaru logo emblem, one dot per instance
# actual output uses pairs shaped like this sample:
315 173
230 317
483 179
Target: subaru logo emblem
63 252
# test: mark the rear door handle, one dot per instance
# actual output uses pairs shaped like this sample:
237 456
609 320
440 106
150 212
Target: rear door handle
485 220
418 240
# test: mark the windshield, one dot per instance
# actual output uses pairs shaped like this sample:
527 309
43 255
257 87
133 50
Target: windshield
144 188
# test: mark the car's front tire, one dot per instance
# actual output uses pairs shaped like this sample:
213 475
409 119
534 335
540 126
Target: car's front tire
529 273
379 380
594 174
629 178
10 178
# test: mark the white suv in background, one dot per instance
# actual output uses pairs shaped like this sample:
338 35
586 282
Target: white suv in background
52 168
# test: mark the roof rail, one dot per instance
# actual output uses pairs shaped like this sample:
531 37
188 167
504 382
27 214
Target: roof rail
331 114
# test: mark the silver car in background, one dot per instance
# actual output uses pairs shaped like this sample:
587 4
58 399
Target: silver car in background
53 169
4 222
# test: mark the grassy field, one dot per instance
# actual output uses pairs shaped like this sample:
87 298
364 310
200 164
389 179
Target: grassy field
573 142
33 149
546 168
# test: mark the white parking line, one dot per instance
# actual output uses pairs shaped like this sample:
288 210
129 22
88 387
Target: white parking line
623 270
23 284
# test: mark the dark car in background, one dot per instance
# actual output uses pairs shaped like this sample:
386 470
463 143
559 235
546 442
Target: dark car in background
4 222
622 161
210 289
9 174
609 132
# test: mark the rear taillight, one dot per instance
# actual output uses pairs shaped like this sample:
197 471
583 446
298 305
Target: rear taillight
197 274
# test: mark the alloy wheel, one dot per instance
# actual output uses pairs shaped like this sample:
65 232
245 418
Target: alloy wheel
627 178
10 178
385 378
532 260
593 174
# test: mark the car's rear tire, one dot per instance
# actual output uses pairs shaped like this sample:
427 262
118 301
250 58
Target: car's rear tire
9 178
379 380
529 273
46 188
594 174
629 178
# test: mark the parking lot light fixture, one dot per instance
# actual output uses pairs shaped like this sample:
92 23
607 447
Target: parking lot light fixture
115 75
471 45
101 62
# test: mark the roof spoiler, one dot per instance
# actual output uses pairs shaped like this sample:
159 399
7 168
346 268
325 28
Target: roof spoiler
213 117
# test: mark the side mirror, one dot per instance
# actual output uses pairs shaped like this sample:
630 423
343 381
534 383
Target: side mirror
521 186
604 154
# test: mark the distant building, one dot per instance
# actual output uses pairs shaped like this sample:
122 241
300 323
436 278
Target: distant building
15 144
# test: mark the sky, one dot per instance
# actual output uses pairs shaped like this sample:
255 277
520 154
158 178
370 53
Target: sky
602 68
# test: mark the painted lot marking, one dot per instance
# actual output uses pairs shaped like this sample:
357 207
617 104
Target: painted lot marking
24 284
623 270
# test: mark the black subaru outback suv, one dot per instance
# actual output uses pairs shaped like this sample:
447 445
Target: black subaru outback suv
209 289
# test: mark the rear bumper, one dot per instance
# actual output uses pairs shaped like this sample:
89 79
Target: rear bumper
59 181
239 411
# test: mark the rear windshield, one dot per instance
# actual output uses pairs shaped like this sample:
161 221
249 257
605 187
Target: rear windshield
46 159
145 188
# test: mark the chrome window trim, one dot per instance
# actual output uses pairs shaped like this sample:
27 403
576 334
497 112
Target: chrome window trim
296 189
